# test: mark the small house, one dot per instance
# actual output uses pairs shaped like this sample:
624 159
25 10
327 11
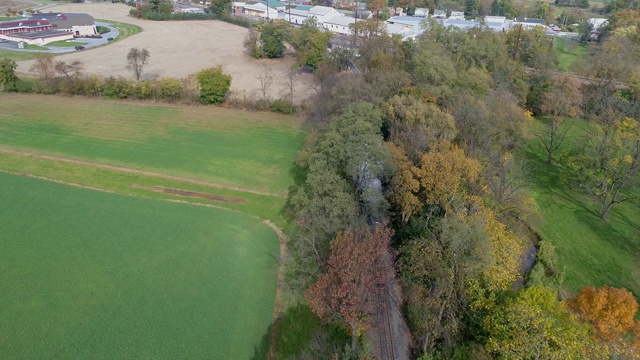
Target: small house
456 15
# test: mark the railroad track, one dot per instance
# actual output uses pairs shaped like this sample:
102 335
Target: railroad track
383 319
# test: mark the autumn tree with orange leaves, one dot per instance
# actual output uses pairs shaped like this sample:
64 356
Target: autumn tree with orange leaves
357 265
611 311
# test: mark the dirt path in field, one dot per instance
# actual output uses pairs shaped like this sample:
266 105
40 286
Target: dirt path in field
178 49
133 171
188 193
278 307
55 181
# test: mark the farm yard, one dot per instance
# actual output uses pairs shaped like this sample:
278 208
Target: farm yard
96 264
179 49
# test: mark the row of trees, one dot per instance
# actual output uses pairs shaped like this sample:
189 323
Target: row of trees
209 86
414 159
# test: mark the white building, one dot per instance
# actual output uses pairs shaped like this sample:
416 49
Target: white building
597 22
528 23
421 12
339 24
261 10
322 13
456 15
405 32
413 22
296 16
461 24
495 19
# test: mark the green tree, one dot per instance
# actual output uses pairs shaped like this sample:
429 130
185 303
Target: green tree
311 43
561 103
535 325
436 271
415 125
214 85
8 78
221 8
273 35
611 162
471 7
542 9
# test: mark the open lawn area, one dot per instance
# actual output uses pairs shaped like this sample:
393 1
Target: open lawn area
594 252
92 275
569 51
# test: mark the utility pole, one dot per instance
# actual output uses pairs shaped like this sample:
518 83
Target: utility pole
517 42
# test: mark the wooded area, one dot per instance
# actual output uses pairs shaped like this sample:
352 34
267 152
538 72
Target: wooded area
421 145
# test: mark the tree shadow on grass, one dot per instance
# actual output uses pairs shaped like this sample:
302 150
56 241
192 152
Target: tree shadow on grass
261 351
294 328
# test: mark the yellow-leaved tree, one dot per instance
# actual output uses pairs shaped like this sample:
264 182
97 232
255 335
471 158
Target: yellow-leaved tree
443 172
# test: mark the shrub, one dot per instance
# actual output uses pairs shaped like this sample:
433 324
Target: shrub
118 88
24 86
214 85
282 106
169 89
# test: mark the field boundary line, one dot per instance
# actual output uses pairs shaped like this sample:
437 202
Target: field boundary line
58 181
134 171
278 305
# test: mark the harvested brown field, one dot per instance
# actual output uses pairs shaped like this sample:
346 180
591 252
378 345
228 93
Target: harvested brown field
181 48
15 5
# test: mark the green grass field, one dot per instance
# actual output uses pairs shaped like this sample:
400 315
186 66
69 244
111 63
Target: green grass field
569 51
243 150
230 159
91 275
594 252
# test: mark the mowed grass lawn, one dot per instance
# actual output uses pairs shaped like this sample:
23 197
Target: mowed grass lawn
93 275
595 253
245 150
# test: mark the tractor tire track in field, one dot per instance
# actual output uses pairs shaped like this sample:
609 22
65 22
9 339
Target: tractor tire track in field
134 171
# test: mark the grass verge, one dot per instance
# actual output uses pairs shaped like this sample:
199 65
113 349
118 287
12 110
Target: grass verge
34 47
65 43
124 29
17 55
